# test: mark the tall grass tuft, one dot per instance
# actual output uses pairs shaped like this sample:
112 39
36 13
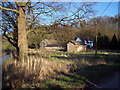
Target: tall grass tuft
35 68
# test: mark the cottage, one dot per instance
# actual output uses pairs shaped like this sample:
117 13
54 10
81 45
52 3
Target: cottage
76 46
78 39
88 43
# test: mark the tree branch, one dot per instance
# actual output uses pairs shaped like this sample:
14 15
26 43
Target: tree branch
9 39
8 9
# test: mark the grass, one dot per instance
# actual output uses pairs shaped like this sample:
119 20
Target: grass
59 70
59 82
99 52
64 82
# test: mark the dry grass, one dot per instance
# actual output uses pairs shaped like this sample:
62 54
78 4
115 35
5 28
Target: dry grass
35 68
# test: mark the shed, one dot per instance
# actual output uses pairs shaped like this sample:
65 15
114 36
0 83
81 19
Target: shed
47 42
51 45
76 46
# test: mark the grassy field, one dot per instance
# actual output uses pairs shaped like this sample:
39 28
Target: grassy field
60 70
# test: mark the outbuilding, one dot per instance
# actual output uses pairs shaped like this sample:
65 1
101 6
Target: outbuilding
76 46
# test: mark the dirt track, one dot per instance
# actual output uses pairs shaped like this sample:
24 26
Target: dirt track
0 77
113 82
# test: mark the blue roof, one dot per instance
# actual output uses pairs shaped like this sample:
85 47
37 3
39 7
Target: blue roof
78 39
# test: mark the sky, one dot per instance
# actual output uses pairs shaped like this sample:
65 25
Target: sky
112 10
71 0
99 8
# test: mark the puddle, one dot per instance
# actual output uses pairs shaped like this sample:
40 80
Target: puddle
3 59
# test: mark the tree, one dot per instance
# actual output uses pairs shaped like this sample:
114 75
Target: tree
102 41
24 18
119 45
99 41
9 24
114 43
19 29
22 35
106 42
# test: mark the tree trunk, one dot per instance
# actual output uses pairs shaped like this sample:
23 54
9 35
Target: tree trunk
28 16
22 35
96 47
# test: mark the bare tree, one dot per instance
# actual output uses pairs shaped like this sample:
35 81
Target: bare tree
25 17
